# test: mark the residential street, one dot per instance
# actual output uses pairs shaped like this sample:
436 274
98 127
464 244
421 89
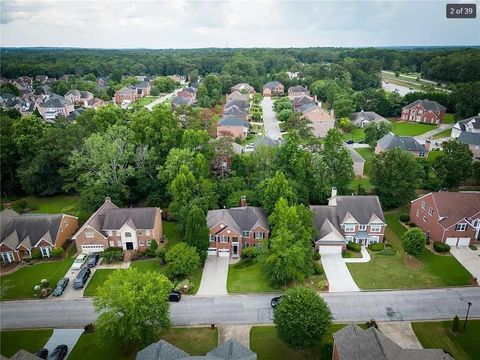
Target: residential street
253 309
162 99
272 130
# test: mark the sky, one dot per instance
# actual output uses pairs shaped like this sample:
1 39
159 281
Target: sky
238 23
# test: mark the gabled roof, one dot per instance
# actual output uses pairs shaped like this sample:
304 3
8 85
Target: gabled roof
136 218
161 350
56 101
232 121
302 100
235 110
242 104
467 124
142 85
237 95
406 143
362 116
232 350
76 113
239 219
242 86
126 91
272 85
297 88
427 105
469 138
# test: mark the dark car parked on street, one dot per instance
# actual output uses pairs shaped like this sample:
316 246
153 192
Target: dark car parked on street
81 278
59 353
92 260
42 353
174 296
61 285
275 301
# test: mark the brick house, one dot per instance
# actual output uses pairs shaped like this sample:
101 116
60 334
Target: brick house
232 126
232 230
243 88
273 88
21 234
126 94
143 88
348 218
449 217
296 91
406 143
55 106
425 111
321 120
128 228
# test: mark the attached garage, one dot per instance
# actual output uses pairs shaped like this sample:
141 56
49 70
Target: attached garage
92 248
212 251
453 241
330 249
224 253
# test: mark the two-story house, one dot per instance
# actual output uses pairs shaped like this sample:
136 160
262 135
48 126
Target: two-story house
406 143
22 234
297 91
243 88
273 88
55 106
126 95
348 218
232 230
449 217
128 228
425 111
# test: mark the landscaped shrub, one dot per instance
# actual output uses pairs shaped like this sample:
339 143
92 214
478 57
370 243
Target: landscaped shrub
441 247
354 246
153 245
389 251
316 255
413 241
184 286
160 252
249 253
413 225
376 247
473 247
57 252
89 328
405 218
112 254
36 253
317 268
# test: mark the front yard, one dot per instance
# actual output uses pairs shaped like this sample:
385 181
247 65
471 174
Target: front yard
442 134
407 128
463 346
29 340
401 271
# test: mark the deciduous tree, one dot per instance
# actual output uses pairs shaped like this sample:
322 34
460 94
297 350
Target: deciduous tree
414 241
181 260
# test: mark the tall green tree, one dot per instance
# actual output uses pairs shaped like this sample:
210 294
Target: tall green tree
374 131
182 260
270 190
197 231
414 241
338 162
455 165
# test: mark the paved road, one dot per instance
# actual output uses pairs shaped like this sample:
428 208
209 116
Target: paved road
402 90
253 309
272 130
214 277
162 99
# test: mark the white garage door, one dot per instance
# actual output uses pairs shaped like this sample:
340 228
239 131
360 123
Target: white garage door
463 241
224 253
452 241
92 248
212 251
330 250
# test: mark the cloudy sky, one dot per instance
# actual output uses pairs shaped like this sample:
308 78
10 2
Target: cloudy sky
196 24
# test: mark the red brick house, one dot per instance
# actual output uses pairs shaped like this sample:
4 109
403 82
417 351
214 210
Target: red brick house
348 218
21 234
449 217
126 95
128 228
425 111
232 230
273 88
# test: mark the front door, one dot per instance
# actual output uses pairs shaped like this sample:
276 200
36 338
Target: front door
235 249
129 245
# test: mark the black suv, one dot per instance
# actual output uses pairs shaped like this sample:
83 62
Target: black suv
92 260
174 296
275 301
81 278
61 285
59 353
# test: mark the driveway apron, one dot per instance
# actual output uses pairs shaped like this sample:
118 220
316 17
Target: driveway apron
339 278
67 337
469 258
214 277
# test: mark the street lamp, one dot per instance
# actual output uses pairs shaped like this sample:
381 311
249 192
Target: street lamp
466 316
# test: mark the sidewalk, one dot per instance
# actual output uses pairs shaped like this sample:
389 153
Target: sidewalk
365 257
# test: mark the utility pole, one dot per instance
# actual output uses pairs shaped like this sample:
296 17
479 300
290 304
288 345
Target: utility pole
466 316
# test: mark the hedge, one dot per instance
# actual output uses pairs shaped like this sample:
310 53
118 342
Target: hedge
317 268
354 246
376 247
441 247
405 218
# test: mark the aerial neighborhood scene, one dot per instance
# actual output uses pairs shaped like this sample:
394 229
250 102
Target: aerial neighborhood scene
239 180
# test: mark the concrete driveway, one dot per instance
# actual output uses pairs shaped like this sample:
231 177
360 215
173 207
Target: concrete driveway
469 258
401 332
214 277
339 278
67 337
272 130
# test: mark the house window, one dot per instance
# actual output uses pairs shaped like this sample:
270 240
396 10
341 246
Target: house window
350 228
212 238
422 154
373 240
109 232
111 242
362 227
128 234
349 238
417 212
119 243
259 235
461 227
89 234
147 232
223 239
7 256
46 251
139 232
430 211
245 234
149 242
424 219
423 205
476 223
375 228
141 242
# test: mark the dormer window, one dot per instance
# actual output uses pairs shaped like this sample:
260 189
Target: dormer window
89 234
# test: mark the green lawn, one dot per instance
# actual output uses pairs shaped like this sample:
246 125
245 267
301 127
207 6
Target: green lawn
20 284
195 341
29 340
173 234
247 276
438 335
449 119
265 342
432 155
442 134
145 100
363 182
97 279
367 154
356 135
400 271
407 128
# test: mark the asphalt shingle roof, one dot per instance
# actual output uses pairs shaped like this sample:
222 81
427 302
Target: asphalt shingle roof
233 121
361 116
239 219
474 122
140 218
272 84
406 143
297 88
427 105
469 138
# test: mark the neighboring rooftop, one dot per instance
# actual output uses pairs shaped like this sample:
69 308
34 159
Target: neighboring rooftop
427 105
470 124
406 143
239 219
360 117
469 138
272 84
232 121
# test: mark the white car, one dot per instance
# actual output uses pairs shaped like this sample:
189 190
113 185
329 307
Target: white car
79 261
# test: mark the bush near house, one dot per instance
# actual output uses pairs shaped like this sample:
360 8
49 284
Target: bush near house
57 252
354 246
112 254
249 253
317 268
405 218
376 247
441 247
36 253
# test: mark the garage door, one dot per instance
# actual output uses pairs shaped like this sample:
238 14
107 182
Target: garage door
330 250
212 251
452 241
463 241
224 253
92 248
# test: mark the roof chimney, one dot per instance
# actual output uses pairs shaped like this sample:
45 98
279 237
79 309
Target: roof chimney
243 201
333 201
108 198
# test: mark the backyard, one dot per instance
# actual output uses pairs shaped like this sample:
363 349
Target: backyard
407 128
356 135
463 346
29 340
401 271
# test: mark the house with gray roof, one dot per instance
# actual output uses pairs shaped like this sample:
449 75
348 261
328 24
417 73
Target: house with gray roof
55 106
273 88
243 88
235 127
362 118
234 229
425 111
471 124
472 139
126 95
237 95
23 234
358 161
347 218
229 350
406 143
296 91
132 229
354 343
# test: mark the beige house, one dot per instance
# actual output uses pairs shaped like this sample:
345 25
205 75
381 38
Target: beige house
232 126
296 91
273 88
55 106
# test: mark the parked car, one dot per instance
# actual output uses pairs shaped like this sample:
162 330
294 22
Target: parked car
93 260
81 278
59 353
349 142
42 353
275 301
79 261
174 296
61 285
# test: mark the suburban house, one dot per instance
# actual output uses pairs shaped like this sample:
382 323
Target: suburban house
358 161
21 234
266 141
425 111
143 88
243 88
321 120
126 94
471 125
79 97
229 350
237 95
352 342
296 91
41 78
232 126
178 78
235 112
75 114
273 88
347 218
55 106
472 140
232 230
449 217
405 143
128 228
301 101
362 118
